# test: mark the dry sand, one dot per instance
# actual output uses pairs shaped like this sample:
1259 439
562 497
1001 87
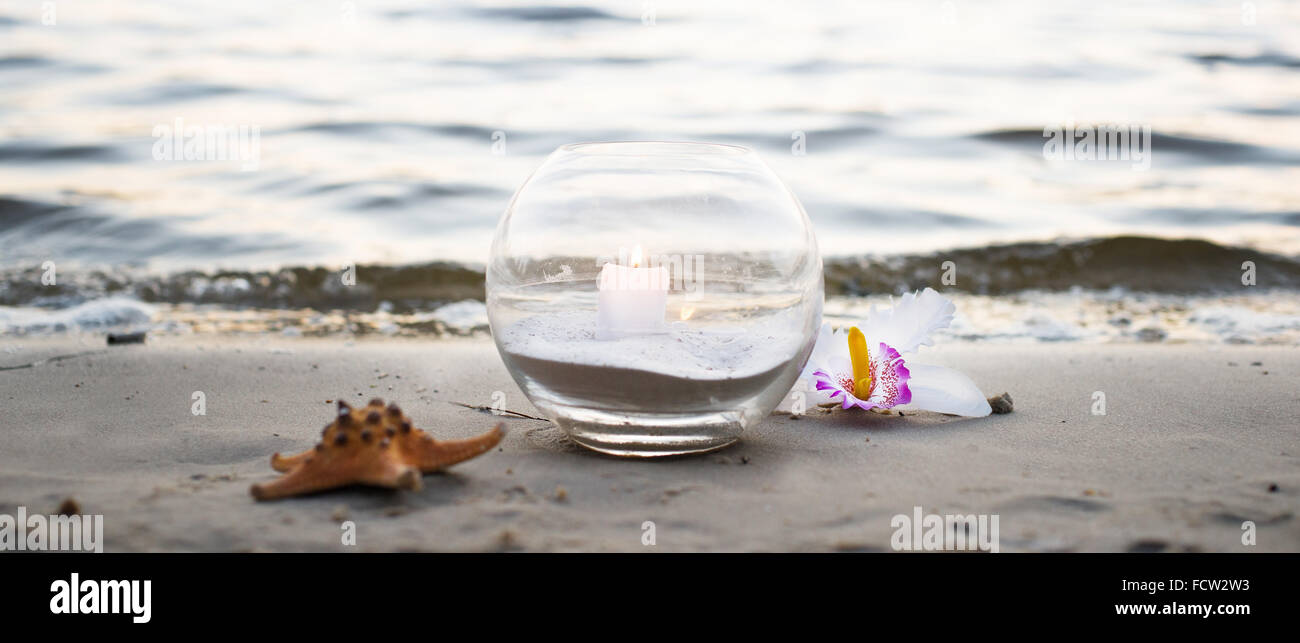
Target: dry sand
1189 448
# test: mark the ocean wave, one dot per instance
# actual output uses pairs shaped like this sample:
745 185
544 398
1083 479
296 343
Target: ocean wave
1258 60
398 288
1205 150
38 152
371 129
825 139
465 316
32 230
1284 110
903 219
1125 289
1215 216
98 315
1133 264
174 91
22 61
1143 264
414 194
545 13
1111 316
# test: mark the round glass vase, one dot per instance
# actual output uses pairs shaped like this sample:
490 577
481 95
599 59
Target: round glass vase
654 298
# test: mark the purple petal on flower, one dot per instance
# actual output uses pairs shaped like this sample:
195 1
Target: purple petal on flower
889 377
904 392
888 352
838 391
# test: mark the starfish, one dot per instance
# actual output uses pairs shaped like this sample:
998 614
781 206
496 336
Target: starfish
373 445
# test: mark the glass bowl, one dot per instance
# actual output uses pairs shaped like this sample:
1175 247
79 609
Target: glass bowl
654 298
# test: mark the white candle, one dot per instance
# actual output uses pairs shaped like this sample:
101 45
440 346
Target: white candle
632 299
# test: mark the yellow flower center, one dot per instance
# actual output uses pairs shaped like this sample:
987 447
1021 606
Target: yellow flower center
861 359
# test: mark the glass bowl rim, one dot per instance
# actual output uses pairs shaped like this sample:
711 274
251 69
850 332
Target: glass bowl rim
660 147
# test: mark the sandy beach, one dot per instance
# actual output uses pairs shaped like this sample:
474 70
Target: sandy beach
1196 440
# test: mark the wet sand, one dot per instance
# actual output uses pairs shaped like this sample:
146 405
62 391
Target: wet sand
1196 440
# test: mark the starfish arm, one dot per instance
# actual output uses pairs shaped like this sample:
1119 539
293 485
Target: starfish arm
372 445
285 463
319 474
433 455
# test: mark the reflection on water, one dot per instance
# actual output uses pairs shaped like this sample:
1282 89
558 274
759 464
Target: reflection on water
394 132
921 122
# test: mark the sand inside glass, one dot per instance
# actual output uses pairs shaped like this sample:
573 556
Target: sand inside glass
689 367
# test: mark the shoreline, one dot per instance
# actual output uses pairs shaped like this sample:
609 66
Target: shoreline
1253 316
1189 449
1172 265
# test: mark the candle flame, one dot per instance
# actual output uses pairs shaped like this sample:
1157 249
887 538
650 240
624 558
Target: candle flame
687 311
636 257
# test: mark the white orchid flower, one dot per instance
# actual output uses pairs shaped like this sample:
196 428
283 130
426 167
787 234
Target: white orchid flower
870 365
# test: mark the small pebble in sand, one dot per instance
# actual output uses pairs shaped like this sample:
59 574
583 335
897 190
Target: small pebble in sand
70 506
507 540
561 494
1002 403
339 514
126 338
1257 363
1272 488
1151 335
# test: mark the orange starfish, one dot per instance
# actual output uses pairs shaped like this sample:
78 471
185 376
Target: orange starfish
371 445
